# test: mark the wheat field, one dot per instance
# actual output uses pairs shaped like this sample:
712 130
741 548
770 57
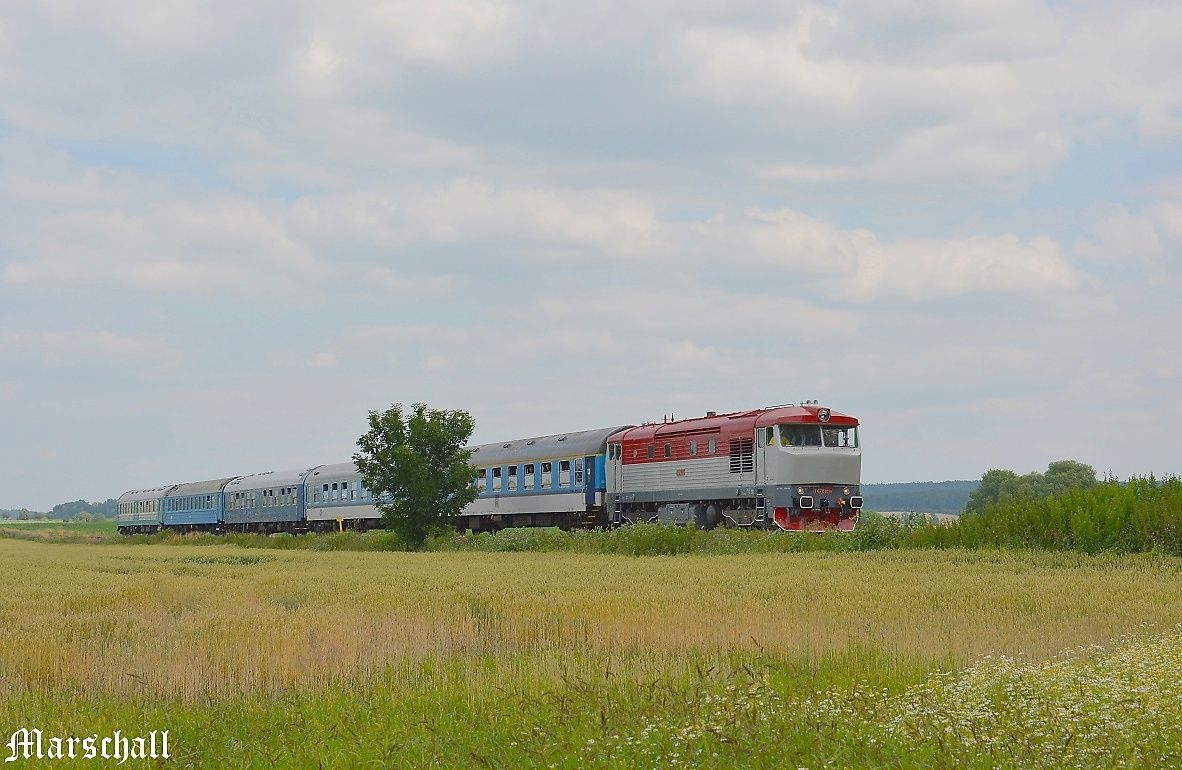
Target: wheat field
224 641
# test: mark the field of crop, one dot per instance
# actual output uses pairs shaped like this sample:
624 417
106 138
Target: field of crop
347 659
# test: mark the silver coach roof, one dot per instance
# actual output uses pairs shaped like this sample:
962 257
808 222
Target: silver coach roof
337 469
199 487
136 495
266 480
577 444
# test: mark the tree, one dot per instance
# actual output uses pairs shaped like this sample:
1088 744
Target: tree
1069 474
994 484
417 468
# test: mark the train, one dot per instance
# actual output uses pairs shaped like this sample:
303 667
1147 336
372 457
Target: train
791 467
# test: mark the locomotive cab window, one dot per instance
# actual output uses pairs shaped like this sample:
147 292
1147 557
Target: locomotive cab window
841 436
799 435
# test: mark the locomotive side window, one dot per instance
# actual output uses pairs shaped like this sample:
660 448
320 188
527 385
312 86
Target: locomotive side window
652 451
693 447
711 447
668 450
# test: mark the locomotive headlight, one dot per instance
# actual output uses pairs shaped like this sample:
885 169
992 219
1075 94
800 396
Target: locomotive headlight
800 490
846 491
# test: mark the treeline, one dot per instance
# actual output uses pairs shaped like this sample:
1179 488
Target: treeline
921 496
996 485
78 510
81 509
1143 514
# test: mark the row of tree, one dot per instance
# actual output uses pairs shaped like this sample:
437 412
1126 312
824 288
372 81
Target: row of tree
1004 486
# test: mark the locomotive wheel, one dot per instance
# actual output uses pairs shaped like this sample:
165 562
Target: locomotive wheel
713 516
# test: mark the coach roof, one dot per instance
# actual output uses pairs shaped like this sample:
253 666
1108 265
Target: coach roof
578 444
198 487
136 495
266 480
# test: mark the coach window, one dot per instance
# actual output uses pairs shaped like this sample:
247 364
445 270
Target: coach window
579 472
529 477
564 473
512 478
547 475
496 479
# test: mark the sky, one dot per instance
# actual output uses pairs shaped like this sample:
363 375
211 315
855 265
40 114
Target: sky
229 230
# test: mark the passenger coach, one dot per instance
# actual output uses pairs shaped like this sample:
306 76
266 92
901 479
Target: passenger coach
545 481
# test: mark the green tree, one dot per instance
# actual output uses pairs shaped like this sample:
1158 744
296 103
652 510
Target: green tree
994 484
417 465
1069 474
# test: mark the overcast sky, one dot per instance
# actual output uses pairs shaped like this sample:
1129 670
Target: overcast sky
228 230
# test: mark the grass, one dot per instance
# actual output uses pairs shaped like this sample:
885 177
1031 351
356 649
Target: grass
293 658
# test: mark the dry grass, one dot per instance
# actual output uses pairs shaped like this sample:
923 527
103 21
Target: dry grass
190 622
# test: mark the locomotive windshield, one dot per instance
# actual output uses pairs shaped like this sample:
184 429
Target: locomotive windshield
844 436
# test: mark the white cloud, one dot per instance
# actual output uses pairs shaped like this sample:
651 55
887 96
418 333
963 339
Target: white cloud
1151 235
362 44
67 347
325 359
